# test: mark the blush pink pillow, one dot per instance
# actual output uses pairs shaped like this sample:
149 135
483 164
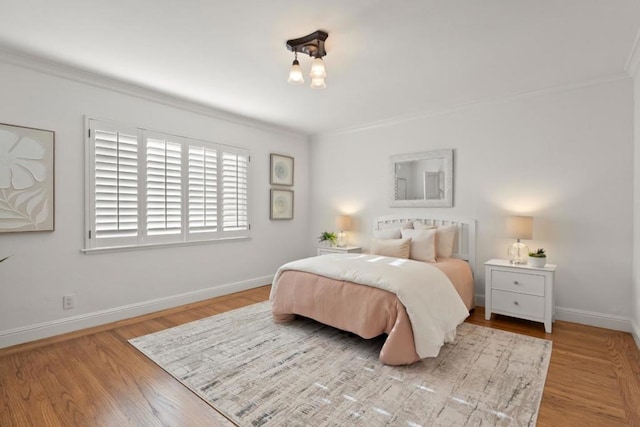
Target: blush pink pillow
398 248
391 233
423 244
445 240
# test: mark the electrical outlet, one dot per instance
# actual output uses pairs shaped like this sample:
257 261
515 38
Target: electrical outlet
69 301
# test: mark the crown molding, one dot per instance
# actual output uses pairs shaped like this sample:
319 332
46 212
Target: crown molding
472 104
633 61
26 60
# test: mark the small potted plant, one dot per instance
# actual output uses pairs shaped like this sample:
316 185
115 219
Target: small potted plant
537 258
329 238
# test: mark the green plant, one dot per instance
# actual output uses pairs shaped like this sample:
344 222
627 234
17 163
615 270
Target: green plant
328 236
538 254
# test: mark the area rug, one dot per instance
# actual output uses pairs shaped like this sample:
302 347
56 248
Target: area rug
259 373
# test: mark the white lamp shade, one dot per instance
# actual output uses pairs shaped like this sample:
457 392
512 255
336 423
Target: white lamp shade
520 227
295 74
343 222
317 69
318 83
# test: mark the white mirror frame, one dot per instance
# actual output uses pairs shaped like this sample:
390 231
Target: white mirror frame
445 202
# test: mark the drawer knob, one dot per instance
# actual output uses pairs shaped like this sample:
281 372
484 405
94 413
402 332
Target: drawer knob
516 303
515 282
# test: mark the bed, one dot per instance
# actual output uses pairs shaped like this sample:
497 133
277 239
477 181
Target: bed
417 304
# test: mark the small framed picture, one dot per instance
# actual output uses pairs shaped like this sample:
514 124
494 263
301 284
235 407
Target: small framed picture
281 170
281 204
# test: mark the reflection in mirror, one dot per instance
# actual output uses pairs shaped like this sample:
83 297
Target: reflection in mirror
422 179
432 185
401 188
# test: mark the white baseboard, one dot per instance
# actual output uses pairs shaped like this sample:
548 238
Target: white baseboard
635 332
591 318
51 328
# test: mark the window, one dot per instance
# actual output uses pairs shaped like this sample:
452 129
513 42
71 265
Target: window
149 188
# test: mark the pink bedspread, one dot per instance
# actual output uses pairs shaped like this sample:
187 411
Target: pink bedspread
363 310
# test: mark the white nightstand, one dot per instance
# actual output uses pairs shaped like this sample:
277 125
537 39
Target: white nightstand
520 291
336 250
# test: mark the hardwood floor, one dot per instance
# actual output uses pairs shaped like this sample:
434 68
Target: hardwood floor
95 378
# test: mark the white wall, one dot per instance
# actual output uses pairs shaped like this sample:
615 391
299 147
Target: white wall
636 208
110 286
564 157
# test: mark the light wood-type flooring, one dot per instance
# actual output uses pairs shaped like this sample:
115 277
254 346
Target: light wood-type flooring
95 378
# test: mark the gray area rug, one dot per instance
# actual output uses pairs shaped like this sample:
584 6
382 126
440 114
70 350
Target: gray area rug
259 373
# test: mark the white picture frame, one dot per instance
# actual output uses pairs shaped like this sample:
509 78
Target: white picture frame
26 179
427 176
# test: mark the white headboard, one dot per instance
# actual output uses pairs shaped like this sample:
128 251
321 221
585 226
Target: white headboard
465 246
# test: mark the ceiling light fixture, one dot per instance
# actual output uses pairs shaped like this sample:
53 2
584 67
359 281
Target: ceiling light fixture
312 45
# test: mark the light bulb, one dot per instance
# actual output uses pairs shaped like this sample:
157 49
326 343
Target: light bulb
295 73
317 83
317 69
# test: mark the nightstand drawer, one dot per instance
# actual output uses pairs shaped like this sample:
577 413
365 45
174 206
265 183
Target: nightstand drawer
518 282
323 250
517 304
326 251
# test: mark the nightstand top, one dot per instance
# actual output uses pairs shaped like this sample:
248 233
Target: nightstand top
506 263
340 248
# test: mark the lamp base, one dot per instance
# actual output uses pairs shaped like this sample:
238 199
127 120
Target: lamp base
342 240
518 253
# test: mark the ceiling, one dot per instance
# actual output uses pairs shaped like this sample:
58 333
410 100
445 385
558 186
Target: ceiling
386 59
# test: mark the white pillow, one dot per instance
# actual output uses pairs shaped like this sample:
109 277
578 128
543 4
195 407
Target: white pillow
399 248
395 225
387 234
420 226
445 240
423 244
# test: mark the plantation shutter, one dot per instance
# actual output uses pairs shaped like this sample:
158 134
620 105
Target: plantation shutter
202 190
114 183
235 215
163 187
147 188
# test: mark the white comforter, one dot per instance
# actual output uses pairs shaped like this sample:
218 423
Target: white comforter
433 305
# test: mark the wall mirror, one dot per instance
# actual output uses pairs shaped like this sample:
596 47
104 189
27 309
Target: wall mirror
422 179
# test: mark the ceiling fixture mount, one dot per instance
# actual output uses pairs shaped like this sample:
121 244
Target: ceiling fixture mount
312 45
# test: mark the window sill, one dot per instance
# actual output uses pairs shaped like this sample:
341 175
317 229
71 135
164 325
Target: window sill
94 251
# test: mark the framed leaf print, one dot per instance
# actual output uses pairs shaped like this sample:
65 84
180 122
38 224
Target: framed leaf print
281 170
26 179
